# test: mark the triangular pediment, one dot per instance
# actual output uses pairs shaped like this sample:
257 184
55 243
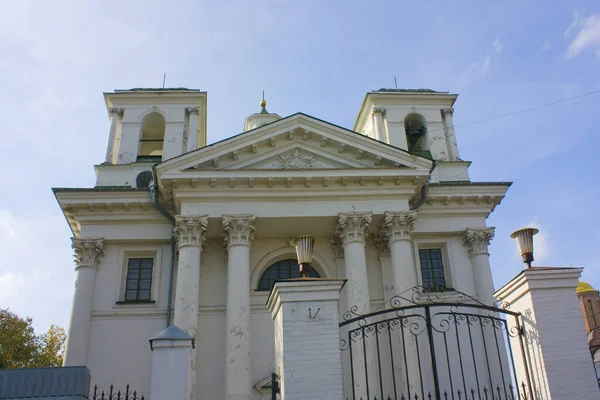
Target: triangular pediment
298 142
297 157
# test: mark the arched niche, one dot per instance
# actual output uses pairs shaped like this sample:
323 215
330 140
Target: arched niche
415 128
152 135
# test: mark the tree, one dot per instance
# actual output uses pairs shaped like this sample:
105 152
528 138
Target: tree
20 347
52 350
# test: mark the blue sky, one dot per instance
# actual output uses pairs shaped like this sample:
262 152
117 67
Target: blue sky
317 57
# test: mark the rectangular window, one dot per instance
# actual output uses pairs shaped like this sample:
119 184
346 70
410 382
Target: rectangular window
139 279
432 268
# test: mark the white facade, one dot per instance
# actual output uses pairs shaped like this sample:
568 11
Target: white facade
370 202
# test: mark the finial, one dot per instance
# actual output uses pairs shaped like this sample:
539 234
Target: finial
263 104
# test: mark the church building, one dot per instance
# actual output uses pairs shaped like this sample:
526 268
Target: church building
177 231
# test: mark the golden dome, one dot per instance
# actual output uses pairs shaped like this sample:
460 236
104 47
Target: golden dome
263 103
584 287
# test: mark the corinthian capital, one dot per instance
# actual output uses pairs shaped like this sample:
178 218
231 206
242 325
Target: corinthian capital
87 251
379 111
398 225
238 229
478 239
447 111
115 112
190 230
193 110
352 227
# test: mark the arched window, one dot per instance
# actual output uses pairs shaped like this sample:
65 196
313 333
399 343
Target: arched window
415 128
284 269
153 135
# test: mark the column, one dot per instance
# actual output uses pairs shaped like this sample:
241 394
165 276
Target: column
378 114
477 240
190 232
307 338
238 232
113 136
450 134
87 256
352 229
171 351
397 228
557 356
192 140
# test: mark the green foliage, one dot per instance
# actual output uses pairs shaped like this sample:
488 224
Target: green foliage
20 347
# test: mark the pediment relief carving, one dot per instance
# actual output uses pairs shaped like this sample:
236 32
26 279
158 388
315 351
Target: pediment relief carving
296 159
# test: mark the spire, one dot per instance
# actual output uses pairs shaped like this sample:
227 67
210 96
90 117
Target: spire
263 105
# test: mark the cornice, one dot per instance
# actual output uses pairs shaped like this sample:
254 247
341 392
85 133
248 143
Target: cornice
104 207
119 99
460 197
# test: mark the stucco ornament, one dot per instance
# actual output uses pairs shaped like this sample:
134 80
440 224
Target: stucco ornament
116 112
382 244
477 240
87 251
398 225
238 229
447 111
190 230
296 159
193 110
352 227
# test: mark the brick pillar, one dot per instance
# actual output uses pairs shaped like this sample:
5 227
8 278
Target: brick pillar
560 366
307 338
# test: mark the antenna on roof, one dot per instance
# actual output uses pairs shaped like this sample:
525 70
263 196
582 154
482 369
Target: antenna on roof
395 83
164 79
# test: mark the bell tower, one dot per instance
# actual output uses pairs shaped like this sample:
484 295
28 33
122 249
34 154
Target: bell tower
154 124
418 121
148 126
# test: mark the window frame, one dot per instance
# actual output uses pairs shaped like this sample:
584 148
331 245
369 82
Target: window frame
138 280
128 252
430 244
432 269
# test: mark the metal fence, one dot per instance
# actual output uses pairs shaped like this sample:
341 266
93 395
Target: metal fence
111 394
435 345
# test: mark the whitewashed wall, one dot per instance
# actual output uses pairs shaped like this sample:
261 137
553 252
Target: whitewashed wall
119 349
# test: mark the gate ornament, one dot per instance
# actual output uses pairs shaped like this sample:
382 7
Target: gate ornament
434 344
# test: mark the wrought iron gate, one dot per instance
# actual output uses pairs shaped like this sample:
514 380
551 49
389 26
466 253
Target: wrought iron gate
434 345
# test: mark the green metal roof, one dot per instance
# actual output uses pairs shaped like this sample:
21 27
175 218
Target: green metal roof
408 90
156 89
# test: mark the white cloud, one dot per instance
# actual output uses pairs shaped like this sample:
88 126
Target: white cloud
7 223
37 266
10 285
497 45
587 35
477 71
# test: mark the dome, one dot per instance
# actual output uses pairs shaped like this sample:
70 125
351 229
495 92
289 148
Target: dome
584 287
